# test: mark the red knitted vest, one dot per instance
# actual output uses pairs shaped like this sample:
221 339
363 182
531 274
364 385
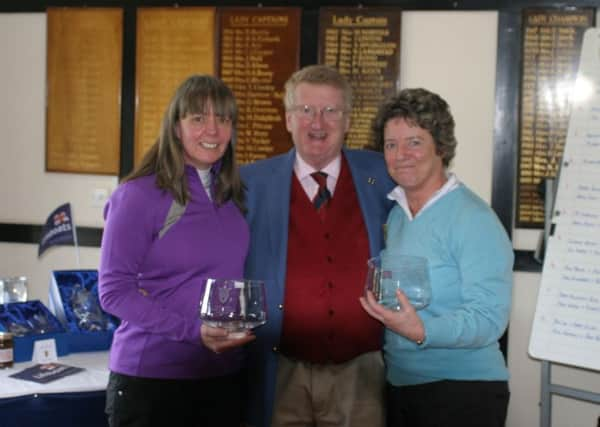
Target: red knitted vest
323 320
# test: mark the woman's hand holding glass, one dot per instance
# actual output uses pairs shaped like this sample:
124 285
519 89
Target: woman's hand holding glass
395 290
229 309
404 321
220 339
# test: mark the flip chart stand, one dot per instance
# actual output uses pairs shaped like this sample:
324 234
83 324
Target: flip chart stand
548 389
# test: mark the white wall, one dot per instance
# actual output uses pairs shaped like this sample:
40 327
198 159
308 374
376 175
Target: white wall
452 53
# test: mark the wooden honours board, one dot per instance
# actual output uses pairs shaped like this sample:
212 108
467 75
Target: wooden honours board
172 44
551 47
364 45
83 115
566 326
259 50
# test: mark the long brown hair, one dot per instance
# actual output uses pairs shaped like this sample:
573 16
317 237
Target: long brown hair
165 157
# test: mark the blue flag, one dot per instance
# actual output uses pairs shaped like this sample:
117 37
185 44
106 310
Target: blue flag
58 230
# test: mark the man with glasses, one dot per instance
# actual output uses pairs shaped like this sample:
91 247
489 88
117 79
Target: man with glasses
316 215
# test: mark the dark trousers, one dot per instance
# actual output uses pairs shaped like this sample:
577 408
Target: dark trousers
149 402
448 404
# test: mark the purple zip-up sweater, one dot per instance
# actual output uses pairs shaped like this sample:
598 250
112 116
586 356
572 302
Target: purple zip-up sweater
153 284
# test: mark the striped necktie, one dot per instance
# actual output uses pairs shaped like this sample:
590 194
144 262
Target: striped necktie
323 195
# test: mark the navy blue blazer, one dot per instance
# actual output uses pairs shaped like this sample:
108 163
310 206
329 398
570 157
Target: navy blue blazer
269 185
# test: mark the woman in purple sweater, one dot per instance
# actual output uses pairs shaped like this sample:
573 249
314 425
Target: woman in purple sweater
175 221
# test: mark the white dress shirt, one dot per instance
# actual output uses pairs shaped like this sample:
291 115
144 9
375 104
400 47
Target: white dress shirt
310 186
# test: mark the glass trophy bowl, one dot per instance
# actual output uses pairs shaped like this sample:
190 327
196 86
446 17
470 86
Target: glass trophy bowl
235 305
13 289
409 274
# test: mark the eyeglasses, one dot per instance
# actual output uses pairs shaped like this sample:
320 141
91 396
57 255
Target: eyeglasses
307 113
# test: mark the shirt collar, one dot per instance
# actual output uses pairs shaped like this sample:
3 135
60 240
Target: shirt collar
399 196
303 169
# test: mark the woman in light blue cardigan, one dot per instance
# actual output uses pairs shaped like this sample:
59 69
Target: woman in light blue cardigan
444 364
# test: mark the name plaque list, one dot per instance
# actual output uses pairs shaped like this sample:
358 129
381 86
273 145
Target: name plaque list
259 50
172 44
83 115
551 48
364 45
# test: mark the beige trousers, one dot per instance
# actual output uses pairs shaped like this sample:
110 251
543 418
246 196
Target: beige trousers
348 394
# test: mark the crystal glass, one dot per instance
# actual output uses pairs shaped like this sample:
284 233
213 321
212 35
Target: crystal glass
409 274
86 308
39 324
236 305
13 289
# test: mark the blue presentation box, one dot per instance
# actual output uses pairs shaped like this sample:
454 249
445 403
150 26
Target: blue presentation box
31 321
74 299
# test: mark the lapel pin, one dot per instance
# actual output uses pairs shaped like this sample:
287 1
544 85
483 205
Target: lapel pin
371 180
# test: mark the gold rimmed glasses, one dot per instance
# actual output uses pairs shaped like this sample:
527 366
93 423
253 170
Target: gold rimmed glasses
307 113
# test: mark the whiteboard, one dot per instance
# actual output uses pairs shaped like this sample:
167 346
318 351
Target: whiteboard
566 325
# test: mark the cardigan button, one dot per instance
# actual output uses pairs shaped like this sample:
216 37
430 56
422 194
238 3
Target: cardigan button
280 306
275 349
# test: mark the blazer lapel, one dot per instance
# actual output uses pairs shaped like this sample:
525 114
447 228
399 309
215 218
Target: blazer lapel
279 210
362 183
